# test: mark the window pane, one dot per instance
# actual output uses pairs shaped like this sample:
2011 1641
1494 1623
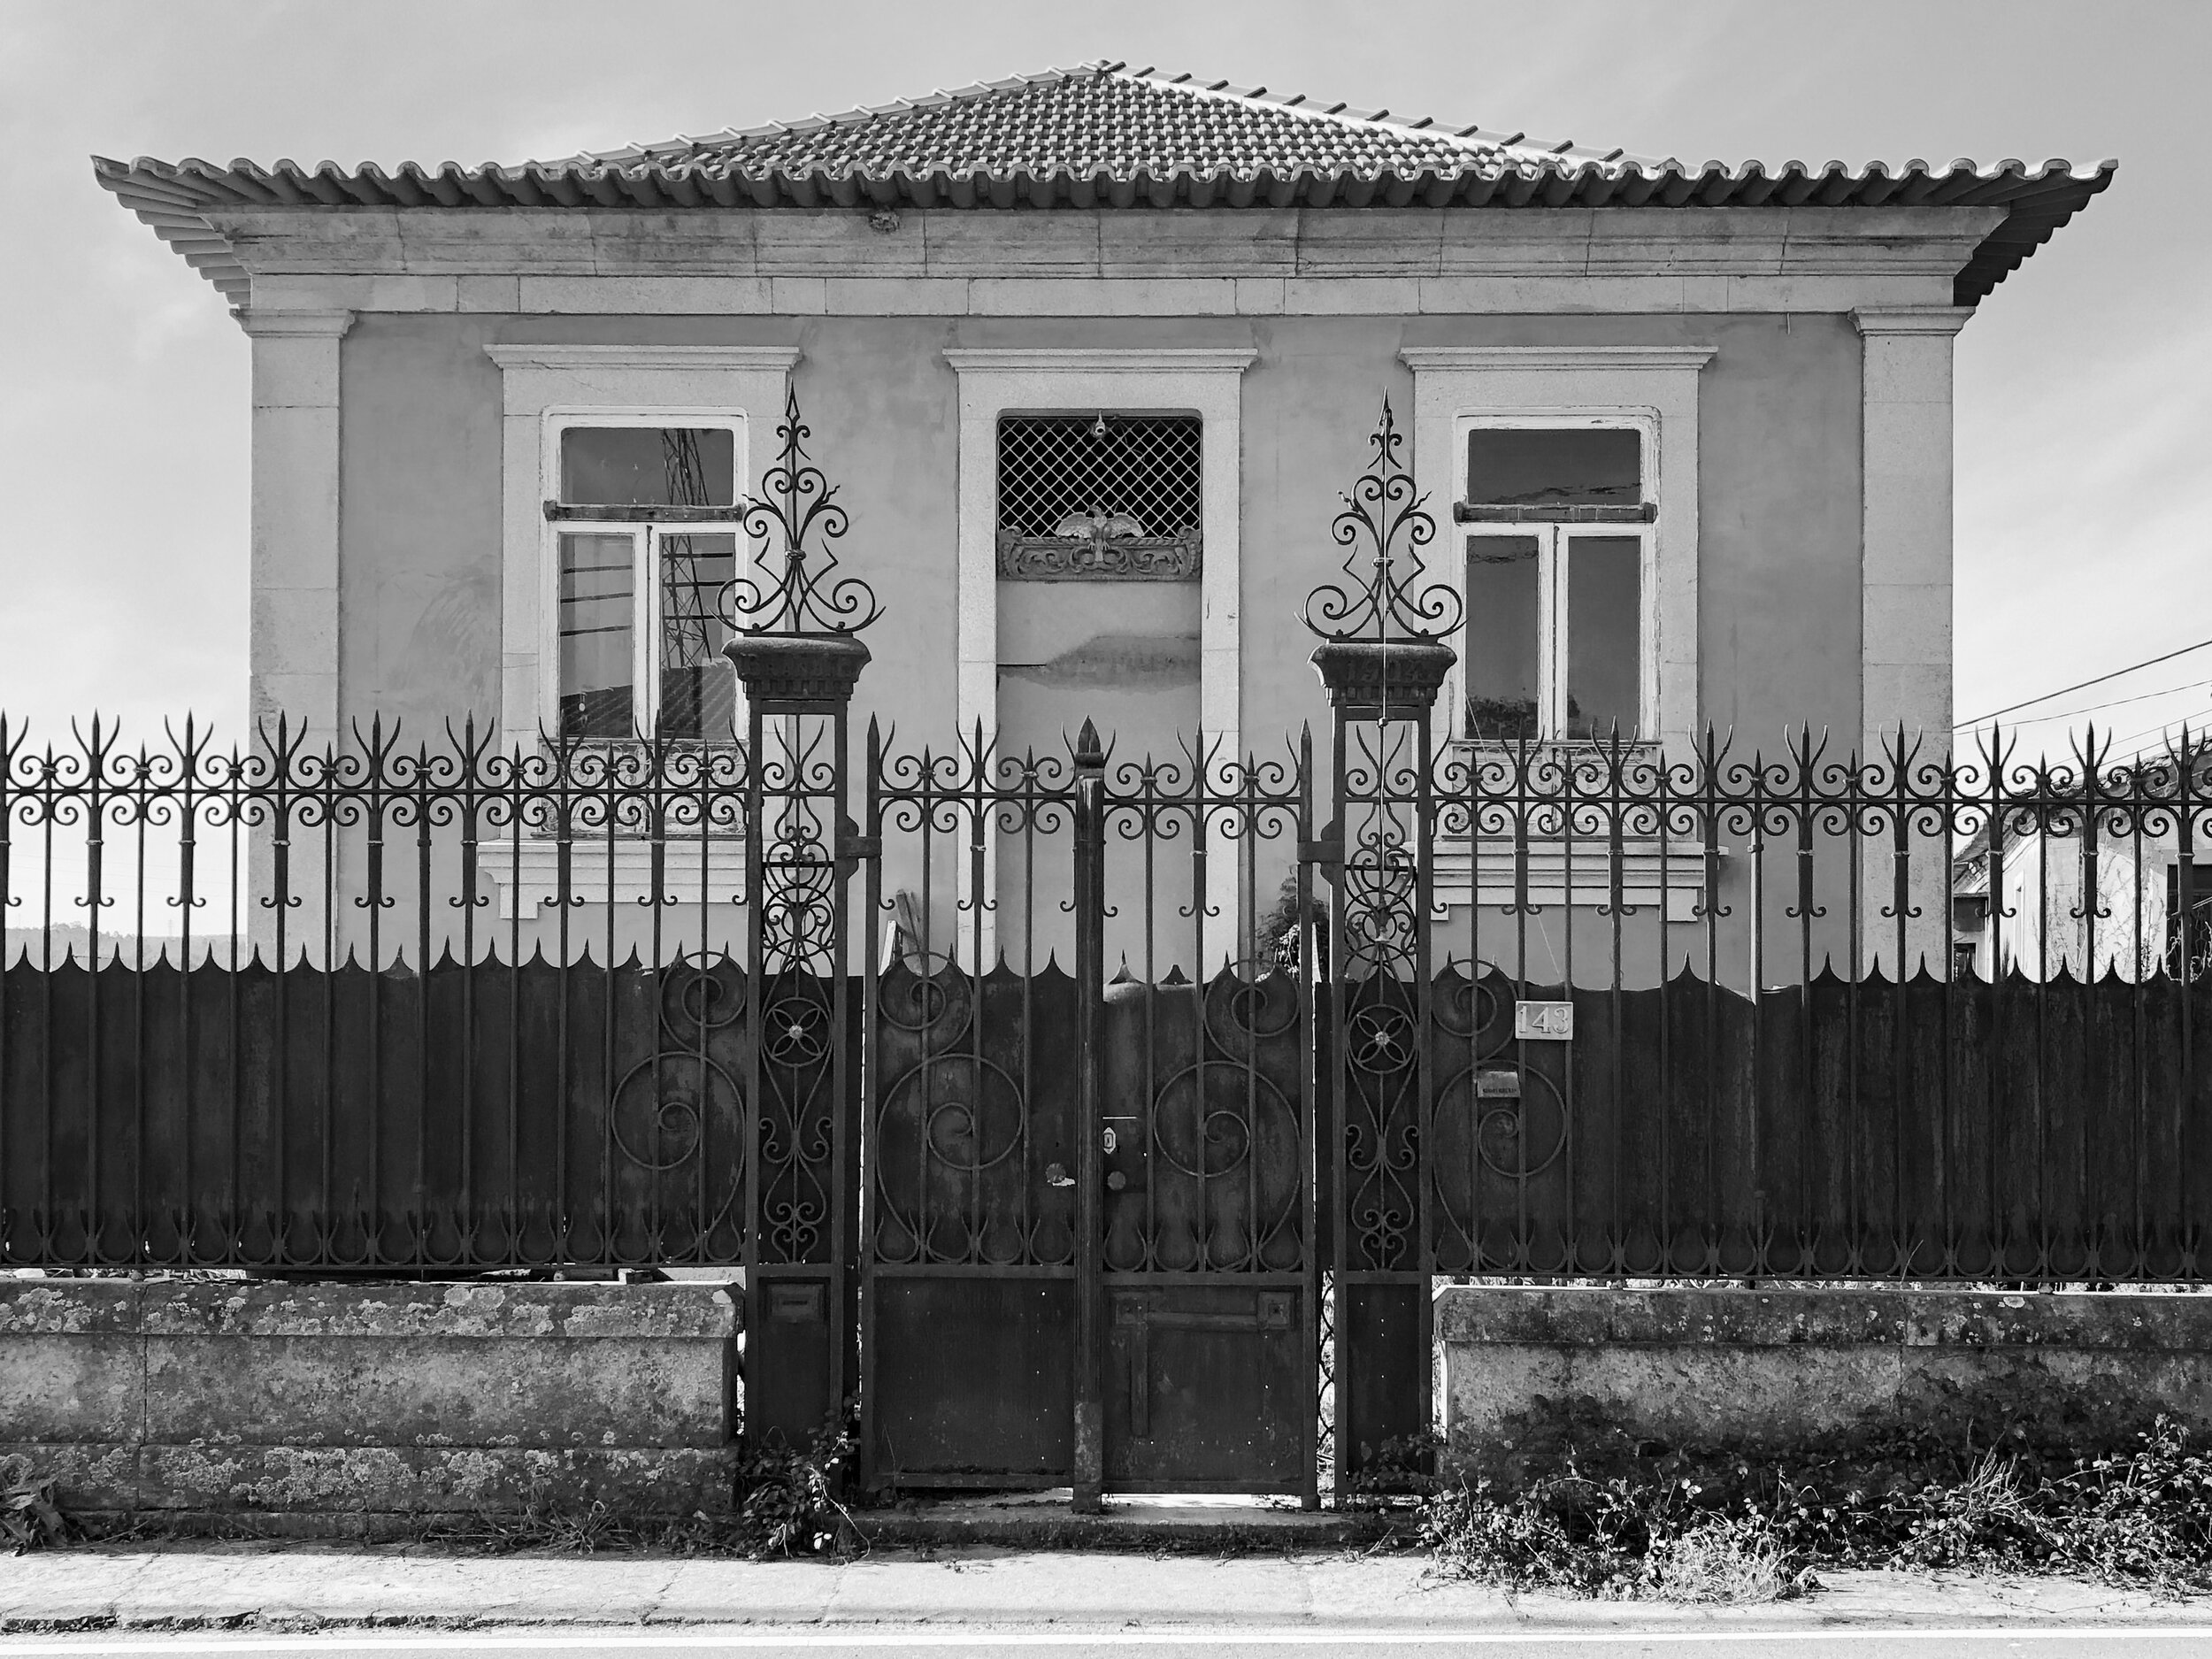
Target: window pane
698 686
598 605
648 466
1604 635
1537 468
1501 637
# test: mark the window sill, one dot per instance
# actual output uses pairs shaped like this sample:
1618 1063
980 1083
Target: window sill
1576 748
1486 874
527 874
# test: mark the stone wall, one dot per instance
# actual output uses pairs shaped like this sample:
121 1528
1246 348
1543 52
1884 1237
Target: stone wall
1527 1371
322 1406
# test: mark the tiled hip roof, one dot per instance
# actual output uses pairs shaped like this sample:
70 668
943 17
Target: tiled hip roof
1103 137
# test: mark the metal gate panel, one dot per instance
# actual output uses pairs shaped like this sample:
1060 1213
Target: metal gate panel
1209 1383
970 1261
1211 1290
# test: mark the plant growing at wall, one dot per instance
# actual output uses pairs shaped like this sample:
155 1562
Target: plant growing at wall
29 1514
787 1502
1683 1525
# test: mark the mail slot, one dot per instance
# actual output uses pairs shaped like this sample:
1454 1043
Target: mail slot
797 1302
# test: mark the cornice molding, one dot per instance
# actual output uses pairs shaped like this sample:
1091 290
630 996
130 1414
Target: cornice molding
1169 360
1917 319
779 359
1507 359
295 325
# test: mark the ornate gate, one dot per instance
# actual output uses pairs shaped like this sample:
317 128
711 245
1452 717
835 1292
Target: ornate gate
1089 1256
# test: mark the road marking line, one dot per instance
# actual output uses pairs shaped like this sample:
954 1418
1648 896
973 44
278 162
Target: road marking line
871 1636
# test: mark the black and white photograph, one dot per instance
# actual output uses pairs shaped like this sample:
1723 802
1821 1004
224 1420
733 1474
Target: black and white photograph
880 828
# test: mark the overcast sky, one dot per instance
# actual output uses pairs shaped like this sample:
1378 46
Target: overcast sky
2084 387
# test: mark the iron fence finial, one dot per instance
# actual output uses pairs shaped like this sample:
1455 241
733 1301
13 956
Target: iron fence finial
795 519
1384 525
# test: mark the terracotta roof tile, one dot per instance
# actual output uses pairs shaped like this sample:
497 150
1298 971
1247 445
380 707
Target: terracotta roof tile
1102 135
1107 120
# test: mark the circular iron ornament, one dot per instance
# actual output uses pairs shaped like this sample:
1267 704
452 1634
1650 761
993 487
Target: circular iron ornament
1505 1139
922 1000
666 1100
1237 1004
795 1032
700 995
1381 1039
1478 999
977 1095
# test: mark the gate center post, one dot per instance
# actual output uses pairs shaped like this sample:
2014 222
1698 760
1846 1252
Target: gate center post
793 644
1383 661
1090 1174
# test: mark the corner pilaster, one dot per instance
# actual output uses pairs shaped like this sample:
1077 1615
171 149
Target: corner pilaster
293 649
1905 506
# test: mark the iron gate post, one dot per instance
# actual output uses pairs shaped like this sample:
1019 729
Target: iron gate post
1089 1437
1383 661
797 652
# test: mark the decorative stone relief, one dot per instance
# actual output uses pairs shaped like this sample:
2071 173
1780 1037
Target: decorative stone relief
1094 546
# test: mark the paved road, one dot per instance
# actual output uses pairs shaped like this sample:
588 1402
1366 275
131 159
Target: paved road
2074 1642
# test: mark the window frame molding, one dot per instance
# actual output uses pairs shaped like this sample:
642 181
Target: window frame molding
1455 388
1204 380
1555 619
545 387
645 649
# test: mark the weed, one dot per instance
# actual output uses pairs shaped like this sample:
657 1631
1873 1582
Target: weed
787 1502
29 1517
1686 1526
1730 1559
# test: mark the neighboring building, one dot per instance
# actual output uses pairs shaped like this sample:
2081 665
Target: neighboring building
2128 854
1091 354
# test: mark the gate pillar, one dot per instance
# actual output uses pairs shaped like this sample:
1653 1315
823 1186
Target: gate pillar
1383 661
796 653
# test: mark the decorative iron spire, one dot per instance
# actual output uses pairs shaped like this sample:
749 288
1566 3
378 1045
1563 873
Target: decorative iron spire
797 508
1384 525
796 629
1382 653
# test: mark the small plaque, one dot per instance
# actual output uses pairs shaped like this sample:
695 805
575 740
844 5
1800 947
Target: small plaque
1543 1022
1497 1085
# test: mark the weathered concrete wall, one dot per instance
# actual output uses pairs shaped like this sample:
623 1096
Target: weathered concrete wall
1528 1370
367 1405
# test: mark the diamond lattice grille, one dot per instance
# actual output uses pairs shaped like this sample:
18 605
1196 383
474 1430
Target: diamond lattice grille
1052 468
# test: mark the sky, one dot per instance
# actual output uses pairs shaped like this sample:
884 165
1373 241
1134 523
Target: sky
2084 388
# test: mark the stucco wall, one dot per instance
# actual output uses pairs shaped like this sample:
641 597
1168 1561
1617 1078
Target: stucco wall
1778 497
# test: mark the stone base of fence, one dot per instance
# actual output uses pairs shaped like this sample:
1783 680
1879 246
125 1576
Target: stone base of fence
1529 1371
376 1408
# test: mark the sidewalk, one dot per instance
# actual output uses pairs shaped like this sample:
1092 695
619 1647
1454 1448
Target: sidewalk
279 1586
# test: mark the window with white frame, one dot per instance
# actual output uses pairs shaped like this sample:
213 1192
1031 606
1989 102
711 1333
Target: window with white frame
645 532
1557 517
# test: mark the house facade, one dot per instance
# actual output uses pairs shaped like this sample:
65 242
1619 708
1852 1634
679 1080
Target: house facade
1091 355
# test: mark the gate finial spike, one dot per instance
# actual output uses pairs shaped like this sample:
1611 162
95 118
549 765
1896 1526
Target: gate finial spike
1089 750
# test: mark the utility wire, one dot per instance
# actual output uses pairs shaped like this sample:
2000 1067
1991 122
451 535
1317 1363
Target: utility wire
2116 702
2065 691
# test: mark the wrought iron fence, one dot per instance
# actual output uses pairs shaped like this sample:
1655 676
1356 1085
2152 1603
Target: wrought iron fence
393 1005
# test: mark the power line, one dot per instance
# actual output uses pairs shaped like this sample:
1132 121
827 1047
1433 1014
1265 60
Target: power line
2116 702
2066 690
